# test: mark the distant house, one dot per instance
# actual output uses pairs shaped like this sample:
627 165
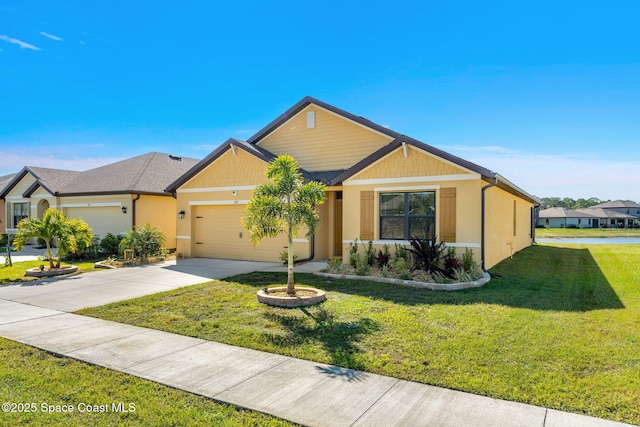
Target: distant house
4 181
111 198
618 213
567 218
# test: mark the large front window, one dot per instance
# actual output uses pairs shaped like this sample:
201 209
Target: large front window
20 211
404 215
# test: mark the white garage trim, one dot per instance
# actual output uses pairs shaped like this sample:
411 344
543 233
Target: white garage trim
183 237
217 202
91 205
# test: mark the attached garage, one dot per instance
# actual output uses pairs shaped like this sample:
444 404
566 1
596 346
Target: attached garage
218 233
102 219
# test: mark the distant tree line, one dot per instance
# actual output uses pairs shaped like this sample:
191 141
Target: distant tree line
569 203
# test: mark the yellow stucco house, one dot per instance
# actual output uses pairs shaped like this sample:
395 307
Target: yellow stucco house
111 198
381 186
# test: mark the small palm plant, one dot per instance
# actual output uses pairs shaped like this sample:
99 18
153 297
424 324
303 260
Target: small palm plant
283 205
53 225
143 241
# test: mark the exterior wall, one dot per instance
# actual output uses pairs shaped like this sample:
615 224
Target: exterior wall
102 213
334 143
230 180
418 171
161 212
507 226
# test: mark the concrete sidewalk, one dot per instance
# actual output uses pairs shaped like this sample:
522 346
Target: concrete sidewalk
305 392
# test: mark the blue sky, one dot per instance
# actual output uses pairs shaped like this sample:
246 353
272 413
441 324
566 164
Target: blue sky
545 93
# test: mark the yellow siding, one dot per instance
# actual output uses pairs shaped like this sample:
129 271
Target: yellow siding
230 170
161 212
21 187
334 143
500 242
417 163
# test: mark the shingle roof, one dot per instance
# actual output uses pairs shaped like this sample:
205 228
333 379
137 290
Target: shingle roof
146 174
617 204
558 212
336 177
606 213
5 180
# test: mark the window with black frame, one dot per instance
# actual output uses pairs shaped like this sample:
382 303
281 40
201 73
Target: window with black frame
407 214
20 211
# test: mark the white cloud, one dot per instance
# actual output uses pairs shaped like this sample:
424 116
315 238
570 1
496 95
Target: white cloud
20 43
547 175
51 36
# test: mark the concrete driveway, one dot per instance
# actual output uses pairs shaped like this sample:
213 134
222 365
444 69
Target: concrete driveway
105 286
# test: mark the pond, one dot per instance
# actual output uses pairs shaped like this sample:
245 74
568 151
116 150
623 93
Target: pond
594 240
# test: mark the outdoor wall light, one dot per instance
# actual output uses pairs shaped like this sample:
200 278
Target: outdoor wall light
124 209
181 214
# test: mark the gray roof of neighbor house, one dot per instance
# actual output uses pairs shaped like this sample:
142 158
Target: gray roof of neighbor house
606 213
5 180
617 204
564 213
145 174
336 177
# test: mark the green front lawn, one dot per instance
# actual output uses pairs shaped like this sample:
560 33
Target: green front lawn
15 273
556 327
543 233
46 385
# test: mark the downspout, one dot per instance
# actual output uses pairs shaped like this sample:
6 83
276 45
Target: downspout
483 216
133 212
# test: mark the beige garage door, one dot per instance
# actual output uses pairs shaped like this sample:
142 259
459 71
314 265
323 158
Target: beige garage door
219 233
102 220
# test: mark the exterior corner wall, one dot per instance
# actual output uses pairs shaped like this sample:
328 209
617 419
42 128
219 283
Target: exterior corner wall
508 225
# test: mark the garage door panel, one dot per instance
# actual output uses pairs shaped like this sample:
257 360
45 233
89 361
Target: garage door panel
219 233
102 220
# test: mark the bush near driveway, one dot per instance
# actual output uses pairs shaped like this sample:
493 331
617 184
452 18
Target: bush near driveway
555 327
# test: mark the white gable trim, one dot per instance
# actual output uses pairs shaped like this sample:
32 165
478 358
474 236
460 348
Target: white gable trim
327 111
403 180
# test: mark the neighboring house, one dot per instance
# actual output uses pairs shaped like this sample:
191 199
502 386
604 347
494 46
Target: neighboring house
611 219
4 181
618 213
567 218
381 186
111 198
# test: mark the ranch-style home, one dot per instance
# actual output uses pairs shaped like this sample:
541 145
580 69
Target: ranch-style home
382 186
111 199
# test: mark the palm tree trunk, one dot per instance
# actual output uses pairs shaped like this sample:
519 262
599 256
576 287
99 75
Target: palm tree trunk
291 289
49 254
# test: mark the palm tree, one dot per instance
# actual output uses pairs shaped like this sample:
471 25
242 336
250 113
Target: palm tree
53 225
143 241
283 206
